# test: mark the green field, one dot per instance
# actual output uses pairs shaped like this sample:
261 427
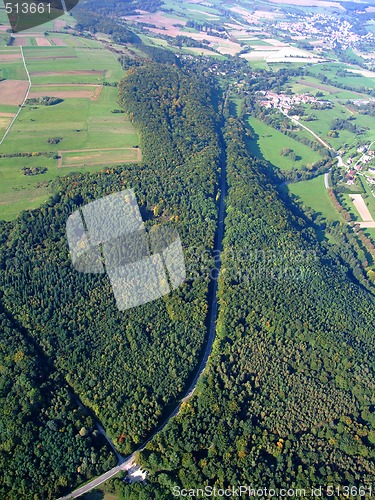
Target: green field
4 108
322 125
258 64
312 85
49 89
330 71
61 59
79 123
74 41
19 192
202 11
269 142
90 157
4 123
254 43
12 70
193 11
22 192
368 197
348 204
313 194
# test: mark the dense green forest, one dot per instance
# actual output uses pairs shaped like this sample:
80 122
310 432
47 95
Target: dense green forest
287 399
116 361
47 440
105 17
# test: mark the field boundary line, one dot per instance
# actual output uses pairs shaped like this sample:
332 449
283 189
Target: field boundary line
60 154
24 101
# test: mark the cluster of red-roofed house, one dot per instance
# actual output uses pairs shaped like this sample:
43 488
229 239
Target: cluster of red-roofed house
368 155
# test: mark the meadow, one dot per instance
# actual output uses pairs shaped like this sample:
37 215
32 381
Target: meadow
368 197
20 192
11 65
314 85
269 142
90 157
194 11
55 64
77 123
330 71
313 194
322 125
81 132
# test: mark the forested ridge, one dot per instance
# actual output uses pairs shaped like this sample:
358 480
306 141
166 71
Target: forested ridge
126 367
287 398
288 395
46 439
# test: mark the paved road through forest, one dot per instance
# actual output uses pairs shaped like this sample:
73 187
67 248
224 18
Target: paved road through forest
125 464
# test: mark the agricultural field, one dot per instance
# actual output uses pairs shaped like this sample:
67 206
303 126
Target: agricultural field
314 85
322 125
78 123
51 39
5 119
174 22
90 157
368 197
67 64
281 54
79 132
11 65
20 192
313 194
355 77
269 142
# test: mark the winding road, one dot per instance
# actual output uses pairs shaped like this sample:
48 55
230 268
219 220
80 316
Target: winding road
126 462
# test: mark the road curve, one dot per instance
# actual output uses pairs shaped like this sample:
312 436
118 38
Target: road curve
205 355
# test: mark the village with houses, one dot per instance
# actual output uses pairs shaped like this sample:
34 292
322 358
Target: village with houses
363 165
361 160
356 161
331 30
285 102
